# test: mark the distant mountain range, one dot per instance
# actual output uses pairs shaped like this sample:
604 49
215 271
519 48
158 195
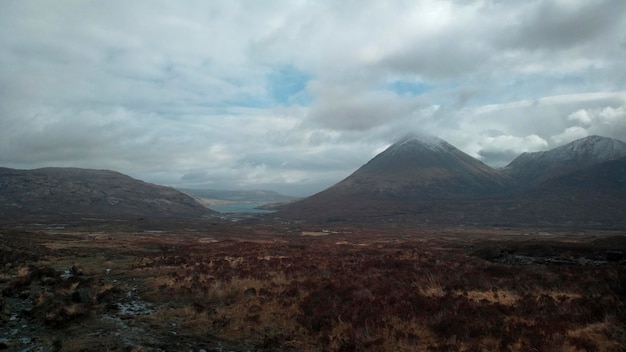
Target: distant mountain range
426 180
61 194
214 196
418 180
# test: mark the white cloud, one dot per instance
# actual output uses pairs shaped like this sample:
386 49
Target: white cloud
499 149
581 116
570 134
610 115
181 92
606 121
518 145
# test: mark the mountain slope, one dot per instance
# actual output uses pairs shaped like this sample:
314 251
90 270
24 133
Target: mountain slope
428 181
425 168
60 193
531 169
407 176
593 197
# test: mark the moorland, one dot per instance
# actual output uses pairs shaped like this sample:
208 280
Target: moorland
423 248
290 287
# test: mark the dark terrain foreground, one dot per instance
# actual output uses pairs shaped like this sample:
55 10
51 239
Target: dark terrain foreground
278 288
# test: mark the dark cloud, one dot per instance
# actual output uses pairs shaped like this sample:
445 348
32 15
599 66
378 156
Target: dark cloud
554 25
343 109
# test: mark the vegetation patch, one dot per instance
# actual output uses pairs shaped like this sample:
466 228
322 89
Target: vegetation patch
270 290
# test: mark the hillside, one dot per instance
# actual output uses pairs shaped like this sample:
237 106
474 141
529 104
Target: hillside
531 169
429 181
595 195
425 168
408 178
58 194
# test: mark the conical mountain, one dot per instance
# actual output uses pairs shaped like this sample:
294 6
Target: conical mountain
531 169
418 168
411 173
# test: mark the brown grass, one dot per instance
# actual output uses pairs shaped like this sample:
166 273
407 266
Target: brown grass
377 290
315 233
492 296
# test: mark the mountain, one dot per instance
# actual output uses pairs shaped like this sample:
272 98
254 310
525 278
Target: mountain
411 174
425 167
213 196
58 194
531 169
426 180
593 196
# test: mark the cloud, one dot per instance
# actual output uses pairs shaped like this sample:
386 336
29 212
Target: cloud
564 24
605 121
581 116
570 134
502 149
296 95
496 133
348 108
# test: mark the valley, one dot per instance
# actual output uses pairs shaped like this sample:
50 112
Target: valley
423 248
302 176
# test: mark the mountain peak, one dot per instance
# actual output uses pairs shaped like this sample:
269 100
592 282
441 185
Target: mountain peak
411 142
425 157
603 148
425 179
592 148
537 167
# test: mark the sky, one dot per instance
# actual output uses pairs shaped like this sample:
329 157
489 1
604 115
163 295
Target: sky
295 95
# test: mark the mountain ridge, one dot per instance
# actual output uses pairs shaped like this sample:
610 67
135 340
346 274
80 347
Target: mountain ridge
536 167
74 193
257 195
441 184
421 180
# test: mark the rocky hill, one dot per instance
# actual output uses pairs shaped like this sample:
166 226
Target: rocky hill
58 194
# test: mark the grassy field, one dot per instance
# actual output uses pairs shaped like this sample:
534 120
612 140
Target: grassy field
275 288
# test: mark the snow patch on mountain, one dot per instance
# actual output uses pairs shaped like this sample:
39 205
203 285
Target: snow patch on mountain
592 148
416 142
601 148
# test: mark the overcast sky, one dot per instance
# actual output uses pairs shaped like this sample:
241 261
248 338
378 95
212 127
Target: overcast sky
295 95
